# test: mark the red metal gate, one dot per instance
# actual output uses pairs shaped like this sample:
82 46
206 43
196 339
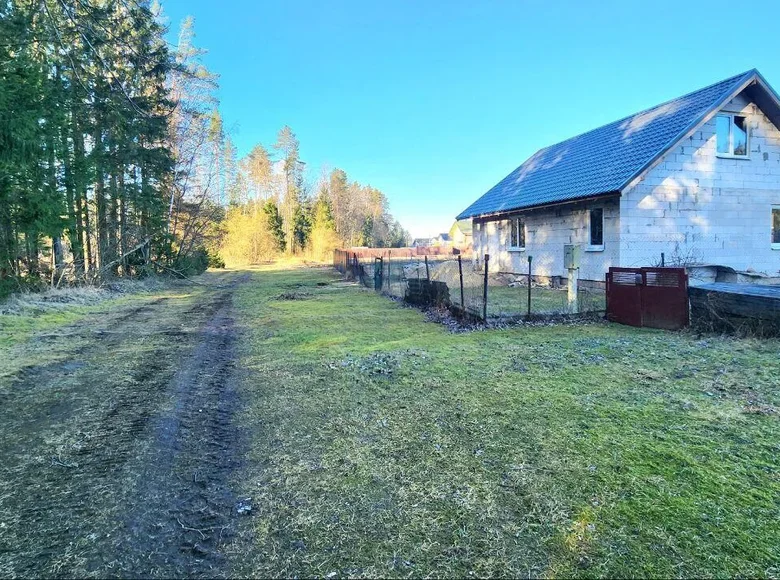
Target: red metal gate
653 297
624 296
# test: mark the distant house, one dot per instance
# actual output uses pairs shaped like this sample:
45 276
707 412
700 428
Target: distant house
460 233
697 178
422 242
442 240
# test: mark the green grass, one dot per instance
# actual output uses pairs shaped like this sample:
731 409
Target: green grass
37 332
80 387
383 445
513 301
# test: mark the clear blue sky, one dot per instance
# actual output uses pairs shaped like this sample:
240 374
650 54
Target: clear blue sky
434 102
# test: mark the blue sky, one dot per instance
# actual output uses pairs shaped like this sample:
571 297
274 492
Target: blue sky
435 102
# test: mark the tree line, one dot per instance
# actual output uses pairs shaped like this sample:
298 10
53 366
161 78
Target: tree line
273 209
114 160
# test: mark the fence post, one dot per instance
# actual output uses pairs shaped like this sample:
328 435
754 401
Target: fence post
572 284
529 286
389 261
427 272
484 289
663 260
460 273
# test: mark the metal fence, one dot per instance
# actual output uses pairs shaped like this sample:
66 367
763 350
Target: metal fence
458 283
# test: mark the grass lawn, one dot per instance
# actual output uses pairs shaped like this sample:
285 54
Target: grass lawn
384 445
513 301
503 300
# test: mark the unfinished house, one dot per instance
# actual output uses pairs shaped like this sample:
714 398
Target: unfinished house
696 178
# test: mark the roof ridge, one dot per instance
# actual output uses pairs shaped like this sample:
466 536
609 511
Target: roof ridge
732 83
605 159
647 110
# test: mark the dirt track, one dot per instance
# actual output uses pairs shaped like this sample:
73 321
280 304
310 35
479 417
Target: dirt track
118 459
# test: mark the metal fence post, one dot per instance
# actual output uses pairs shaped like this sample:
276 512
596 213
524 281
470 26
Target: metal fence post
460 273
529 285
378 273
485 290
427 272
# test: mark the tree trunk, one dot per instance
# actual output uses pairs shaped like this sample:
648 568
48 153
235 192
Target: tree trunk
113 215
31 244
56 242
57 259
82 208
101 227
123 242
75 229
144 215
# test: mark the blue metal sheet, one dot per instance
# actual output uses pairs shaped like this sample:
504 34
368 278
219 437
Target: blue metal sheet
603 160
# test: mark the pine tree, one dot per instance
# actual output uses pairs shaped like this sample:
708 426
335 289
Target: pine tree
257 169
302 226
275 224
287 145
82 87
323 229
231 173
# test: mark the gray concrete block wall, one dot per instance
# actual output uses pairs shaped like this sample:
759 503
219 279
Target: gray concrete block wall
706 208
547 231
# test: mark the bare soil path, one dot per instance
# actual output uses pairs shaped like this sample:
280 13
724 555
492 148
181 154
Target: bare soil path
117 460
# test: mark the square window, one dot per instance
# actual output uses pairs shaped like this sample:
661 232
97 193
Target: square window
518 233
731 135
597 227
776 227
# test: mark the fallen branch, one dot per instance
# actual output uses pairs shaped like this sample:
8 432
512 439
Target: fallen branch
183 527
123 256
180 275
58 461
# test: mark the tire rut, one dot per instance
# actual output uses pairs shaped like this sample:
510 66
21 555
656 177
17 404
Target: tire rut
125 470
182 511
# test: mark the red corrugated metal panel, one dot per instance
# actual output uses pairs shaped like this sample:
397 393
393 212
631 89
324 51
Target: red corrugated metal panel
652 297
665 298
624 296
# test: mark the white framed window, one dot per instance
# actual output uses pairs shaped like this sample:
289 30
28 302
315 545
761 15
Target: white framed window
731 134
776 227
517 234
596 229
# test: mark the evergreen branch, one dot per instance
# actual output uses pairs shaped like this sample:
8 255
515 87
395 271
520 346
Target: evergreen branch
102 62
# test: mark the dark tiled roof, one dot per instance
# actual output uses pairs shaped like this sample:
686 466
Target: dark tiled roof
604 160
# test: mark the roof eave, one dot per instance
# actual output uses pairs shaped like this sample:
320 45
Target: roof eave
506 212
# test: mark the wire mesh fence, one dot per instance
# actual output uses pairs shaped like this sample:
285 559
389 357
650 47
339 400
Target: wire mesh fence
509 297
454 281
